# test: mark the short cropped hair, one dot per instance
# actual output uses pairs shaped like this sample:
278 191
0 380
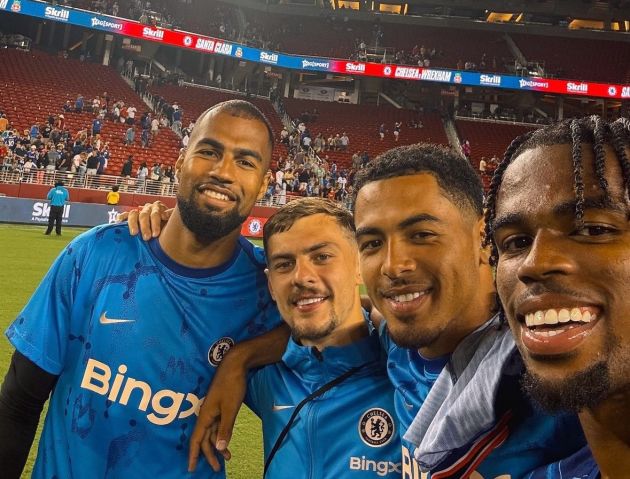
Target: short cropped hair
242 109
453 173
286 216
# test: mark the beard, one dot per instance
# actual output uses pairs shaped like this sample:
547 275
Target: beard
207 224
583 390
301 333
410 334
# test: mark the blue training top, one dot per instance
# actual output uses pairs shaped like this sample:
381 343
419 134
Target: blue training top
580 465
349 431
135 339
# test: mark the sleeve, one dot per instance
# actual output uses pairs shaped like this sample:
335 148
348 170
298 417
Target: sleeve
255 384
41 329
49 195
24 391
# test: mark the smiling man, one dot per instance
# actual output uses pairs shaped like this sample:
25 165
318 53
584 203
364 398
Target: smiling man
330 393
454 366
127 334
558 215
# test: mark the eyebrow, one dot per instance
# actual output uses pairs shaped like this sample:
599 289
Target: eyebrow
237 151
563 209
310 249
406 223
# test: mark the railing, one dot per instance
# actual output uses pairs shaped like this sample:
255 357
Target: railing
105 183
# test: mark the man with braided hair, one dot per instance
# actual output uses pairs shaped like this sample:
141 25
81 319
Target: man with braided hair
557 219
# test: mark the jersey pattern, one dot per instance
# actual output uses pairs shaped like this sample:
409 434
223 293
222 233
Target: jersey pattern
135 339
349 431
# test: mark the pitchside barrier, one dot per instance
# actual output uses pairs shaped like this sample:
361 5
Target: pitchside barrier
24 199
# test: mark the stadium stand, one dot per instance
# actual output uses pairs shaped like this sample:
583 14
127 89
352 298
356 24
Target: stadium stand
35 85
595 60
362 122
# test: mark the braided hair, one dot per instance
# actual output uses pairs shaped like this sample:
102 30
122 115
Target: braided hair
590 130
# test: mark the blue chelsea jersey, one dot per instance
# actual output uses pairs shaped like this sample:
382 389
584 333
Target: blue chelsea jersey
580 465
349 431
134 338
522 439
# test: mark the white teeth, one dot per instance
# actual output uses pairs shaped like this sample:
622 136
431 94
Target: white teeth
304 302
553 316
404 298
214 194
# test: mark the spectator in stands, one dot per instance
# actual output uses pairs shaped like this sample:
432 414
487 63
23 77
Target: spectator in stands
61 122
131 115
57 197
144 138
92 164
127 168
381 131
96 105
177 120
284 136
155 126
130 136
4 123
466 150
34 131
78 104
113 197
96 127
143 172
344 141
185 139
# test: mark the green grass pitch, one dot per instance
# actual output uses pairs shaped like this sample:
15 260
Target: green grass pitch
26 256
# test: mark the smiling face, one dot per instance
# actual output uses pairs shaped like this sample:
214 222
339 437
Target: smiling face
314 276
564 287
221 173
422 261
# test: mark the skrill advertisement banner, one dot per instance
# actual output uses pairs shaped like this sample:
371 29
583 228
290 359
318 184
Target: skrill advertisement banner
216 46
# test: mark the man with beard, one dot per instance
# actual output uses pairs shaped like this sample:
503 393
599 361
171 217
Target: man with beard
127 333
557 217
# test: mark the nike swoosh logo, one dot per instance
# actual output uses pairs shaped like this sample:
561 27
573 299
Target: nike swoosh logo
105 320
280 408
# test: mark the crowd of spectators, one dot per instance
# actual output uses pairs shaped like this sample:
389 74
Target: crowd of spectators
36 154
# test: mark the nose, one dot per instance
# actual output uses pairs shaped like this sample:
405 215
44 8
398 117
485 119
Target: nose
304 273
225 169
546 258
397 262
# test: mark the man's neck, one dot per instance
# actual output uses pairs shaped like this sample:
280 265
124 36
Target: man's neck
607 431
183 247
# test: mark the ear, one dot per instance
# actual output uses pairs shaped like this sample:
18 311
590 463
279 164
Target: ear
263 187
269 285
180 162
